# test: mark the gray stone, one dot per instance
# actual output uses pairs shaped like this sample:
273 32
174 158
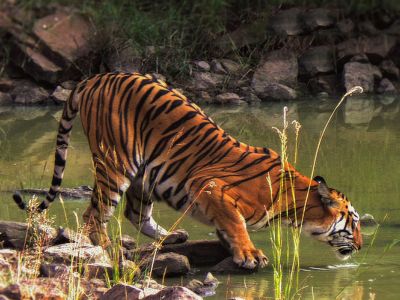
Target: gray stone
54 270
346 27
202 65
217 67
228 98
358 74
203 288
205 97
6 85
127 242
8 254
230 66
362 58
288 22
324 83
69 84
123 291
60 95
76 253
99 270
5 99
318 18
227 266
368 220
389 69
66 235
277 66
277 91
376 47
174 293
27 92
205 81
366 27
317 60
386 87
169 264
12 292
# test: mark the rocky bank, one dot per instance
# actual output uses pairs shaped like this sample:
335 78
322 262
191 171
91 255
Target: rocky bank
300 50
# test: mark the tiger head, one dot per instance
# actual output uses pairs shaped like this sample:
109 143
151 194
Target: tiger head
337 222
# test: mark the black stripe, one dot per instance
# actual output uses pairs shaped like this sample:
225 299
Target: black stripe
188 116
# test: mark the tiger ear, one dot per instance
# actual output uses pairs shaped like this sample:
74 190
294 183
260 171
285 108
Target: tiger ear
323 190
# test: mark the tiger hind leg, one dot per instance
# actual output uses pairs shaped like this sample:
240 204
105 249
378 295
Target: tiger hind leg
139 210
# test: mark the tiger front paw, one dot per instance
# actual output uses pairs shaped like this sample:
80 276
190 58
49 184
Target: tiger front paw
176 237
250 258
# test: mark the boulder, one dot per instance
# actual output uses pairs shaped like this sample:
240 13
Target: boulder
17 235
276 67
368 220
28 92
54 270
75 253
227 266
204 97
66 37
359 74
99 270
12 292
366 27
346 27
80 192
60 95
203 288
123 291
199 253
168 264
6 85
228 98
324 84
5 99
8 254
375 47
205 80
127 242
386 87
201 65
288 22
318 18
66 235
174 293
276 91
389 69
316 60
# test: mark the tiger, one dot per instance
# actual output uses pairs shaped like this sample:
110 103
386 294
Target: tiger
149 142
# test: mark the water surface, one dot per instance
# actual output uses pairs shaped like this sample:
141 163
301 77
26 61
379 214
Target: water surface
359 156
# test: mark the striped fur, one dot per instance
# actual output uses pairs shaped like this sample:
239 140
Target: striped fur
149 141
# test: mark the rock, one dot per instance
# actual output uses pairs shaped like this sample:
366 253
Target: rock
127 242
246 34
227 266
202 65
174 293
124 58
5 99
278 66
75 253
205 81
366 27
358 74
123 291
288 22
362 58
54 270
324 83
66 235
318 18
80 192
230 66
203 288
69 84
376 47
205 97
67 37
389 69
368 220
5 23
199 253
27 92
60 95
8 254
129 267
17 235
168 264
359 110
5 267
277 91
317 60
6 85
12 292
217 67
228 98
99 270
346 27
386 87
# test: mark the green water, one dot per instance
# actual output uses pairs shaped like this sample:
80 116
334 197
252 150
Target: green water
359 156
